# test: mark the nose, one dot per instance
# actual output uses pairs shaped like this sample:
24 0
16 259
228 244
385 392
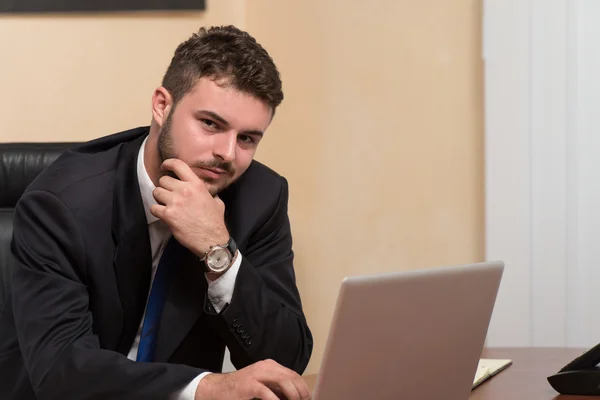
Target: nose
225 145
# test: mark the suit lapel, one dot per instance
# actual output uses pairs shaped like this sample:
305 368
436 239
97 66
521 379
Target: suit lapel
133 258
132 265
133 262
183 306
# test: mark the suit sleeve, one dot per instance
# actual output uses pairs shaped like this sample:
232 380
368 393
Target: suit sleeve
265 318
54 324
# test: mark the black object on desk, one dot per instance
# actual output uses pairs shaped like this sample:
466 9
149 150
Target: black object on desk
579 377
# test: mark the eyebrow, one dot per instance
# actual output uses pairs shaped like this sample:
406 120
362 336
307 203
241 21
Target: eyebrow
224 122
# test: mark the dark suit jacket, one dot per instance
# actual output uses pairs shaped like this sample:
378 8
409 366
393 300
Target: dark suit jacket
79 291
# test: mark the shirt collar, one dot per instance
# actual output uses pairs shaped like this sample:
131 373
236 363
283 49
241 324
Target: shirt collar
146 185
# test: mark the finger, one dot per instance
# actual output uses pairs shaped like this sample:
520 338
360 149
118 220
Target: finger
262 392
180 168
220 203
170 183
162 195
302 388
278 392
285 381
289 390
158 211
293 386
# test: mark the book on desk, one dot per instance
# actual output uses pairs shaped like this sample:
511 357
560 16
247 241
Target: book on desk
487 368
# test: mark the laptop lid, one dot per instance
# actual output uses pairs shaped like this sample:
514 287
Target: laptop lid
412 335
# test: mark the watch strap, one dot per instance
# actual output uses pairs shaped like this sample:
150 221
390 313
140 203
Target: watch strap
231 246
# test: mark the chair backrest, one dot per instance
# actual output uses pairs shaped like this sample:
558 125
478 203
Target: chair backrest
20 163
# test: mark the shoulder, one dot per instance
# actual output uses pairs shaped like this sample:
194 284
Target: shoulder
258 198
258 184
262 177
87 170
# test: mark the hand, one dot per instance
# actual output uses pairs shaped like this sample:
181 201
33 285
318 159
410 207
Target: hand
266 380
194 216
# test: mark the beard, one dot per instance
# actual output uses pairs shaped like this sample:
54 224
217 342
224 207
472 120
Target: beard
166 150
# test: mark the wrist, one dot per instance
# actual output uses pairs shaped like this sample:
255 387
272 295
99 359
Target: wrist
213 276
219 239
203 390
219 258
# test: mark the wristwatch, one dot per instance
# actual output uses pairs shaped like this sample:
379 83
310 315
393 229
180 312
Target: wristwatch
219 258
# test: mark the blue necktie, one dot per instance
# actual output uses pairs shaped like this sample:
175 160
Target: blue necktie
156 301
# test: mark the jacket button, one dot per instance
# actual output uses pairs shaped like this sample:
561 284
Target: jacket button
248 342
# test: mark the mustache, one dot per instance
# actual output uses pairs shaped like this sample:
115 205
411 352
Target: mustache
214 163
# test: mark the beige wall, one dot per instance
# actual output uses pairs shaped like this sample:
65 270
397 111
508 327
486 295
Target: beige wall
381 137
380 134
77 77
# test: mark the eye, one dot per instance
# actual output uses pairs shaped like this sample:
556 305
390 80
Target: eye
247 139
209 123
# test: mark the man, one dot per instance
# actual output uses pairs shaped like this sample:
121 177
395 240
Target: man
143 254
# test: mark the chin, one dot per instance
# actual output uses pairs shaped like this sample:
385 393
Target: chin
215 188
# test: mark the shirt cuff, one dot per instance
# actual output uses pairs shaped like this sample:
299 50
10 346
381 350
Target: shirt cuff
220 290
189 391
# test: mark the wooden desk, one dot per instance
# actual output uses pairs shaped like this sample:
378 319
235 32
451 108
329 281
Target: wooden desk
525 379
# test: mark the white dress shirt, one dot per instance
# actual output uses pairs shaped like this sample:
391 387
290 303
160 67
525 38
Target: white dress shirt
220 290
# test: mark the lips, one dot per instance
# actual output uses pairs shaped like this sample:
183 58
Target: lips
216 170
212 173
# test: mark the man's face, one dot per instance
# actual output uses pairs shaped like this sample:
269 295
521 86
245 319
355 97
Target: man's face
215 130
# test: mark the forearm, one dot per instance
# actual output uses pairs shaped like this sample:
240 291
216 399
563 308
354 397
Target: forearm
259 324
54 325
264 318
63 357
83 371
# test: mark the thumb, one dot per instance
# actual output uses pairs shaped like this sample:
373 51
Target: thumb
219 202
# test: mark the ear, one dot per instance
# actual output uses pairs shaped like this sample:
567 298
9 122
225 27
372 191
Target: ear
162 103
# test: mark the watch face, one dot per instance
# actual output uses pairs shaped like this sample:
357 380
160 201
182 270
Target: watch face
218 259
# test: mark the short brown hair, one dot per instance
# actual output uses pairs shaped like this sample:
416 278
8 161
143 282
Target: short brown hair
224 53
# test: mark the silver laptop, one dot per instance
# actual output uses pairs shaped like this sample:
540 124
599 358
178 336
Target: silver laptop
409 335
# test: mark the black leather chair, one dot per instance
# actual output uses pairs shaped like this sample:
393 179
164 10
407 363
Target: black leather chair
20 163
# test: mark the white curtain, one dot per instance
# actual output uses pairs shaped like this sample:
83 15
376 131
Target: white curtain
542 106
